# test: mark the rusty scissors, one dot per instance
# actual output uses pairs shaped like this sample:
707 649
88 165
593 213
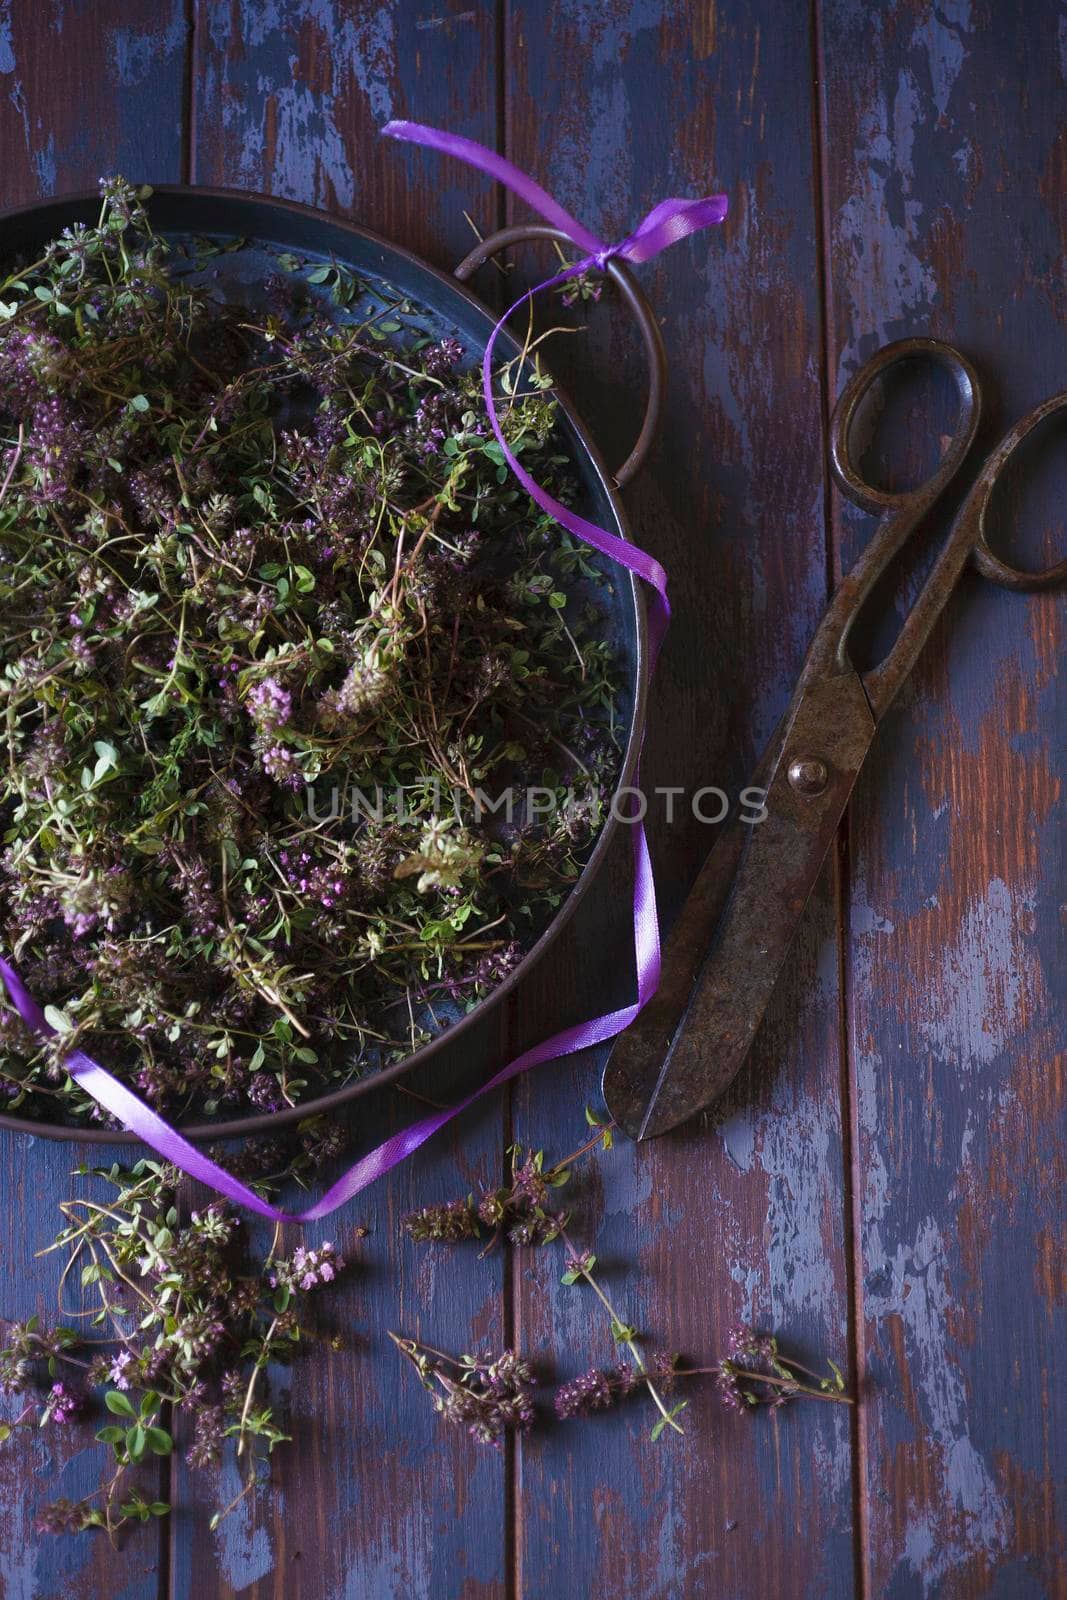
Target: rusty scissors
724 954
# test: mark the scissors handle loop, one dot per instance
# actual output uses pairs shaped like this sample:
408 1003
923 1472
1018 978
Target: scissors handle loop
843 424
902 512
991 566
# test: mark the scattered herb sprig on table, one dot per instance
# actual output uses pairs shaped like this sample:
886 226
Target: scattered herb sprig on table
259 562
175 1351
489 1396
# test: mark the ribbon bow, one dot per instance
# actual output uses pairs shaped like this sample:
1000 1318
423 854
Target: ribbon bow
666 224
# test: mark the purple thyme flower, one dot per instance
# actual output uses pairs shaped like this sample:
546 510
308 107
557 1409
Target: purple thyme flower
208 1437
492 1398
308 1269
62 1405
602 1387
271 706
279 763
745 1341
445 1223
439 360
119 1371
591 1391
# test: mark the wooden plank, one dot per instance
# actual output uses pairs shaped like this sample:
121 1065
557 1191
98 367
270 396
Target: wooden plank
744 1217
292 105
375 1497
83 92
87 90
945 192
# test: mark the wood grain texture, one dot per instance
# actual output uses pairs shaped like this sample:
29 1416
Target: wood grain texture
911 157
743 1218
290 99
946 199
87 90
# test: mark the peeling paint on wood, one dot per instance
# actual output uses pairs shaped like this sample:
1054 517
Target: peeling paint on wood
888 1172
937 121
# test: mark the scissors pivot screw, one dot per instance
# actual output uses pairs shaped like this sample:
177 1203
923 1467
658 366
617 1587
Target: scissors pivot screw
807 775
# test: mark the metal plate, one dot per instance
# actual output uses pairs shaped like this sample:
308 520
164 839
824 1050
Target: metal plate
184 215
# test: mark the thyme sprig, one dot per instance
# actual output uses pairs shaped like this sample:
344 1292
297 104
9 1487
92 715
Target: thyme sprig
183 1324
487 1396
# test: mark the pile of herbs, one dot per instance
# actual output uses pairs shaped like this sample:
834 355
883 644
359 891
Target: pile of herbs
261 565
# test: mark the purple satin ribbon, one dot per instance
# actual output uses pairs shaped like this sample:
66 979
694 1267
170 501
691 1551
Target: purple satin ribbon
667 224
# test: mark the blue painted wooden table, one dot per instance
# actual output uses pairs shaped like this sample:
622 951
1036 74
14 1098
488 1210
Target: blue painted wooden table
885 1181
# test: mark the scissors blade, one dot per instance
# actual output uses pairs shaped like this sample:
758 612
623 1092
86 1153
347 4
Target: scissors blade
725 952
